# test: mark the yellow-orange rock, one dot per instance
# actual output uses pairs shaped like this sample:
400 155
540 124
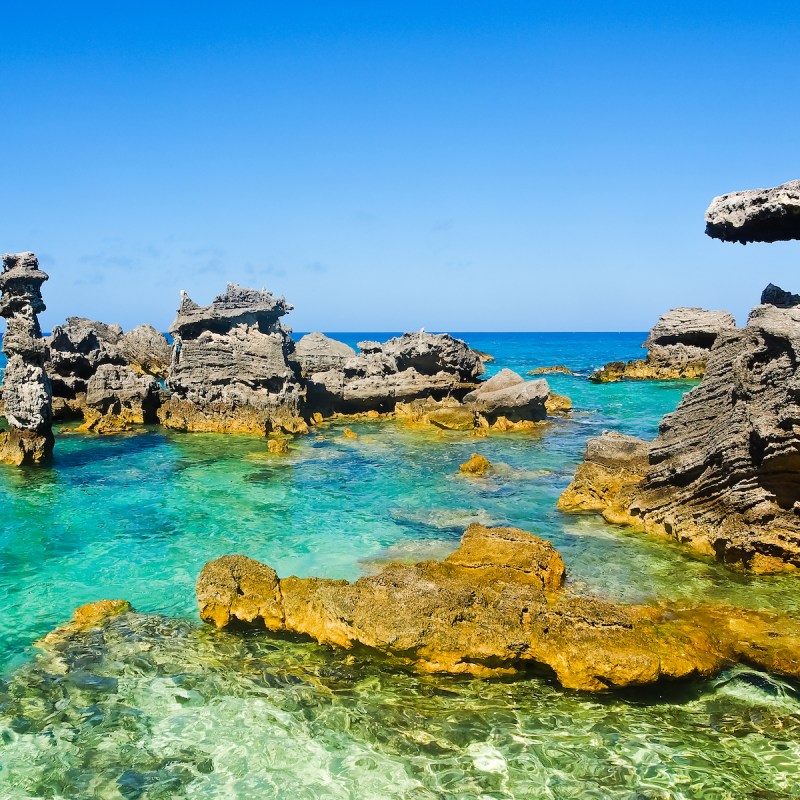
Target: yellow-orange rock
477 465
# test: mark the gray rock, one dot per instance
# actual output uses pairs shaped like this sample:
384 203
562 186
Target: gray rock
146 349
316 352
756 215
509 395
231 367
27 395
618 451
775 296
118 397
502 380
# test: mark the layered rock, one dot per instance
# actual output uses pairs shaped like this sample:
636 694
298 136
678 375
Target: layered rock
756 215
724 473
231 370
316 352
509 395
497 606
408 367
678 347
27 394
117 398
77 349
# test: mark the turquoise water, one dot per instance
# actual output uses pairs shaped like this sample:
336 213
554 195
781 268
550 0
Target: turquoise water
183 711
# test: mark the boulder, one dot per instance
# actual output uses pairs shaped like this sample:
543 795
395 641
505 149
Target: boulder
509 395
498 606
477 466
118 397
27 393
678 347
316 352
231 369
556 368
146 350
756 215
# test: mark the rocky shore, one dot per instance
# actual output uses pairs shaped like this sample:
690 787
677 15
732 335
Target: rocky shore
498 606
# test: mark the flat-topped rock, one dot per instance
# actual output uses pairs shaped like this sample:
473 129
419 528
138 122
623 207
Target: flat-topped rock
509 395
756 215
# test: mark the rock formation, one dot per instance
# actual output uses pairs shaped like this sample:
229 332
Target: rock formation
756 215
775 296
509 395
316 352
497 606
231 369
411 366
677 347
724 473
117 398
27 395
77 349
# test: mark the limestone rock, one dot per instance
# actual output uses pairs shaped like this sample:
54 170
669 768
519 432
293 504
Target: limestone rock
27 393
147 350
557 404
408 367
509 395
497 606
678 347
456 418
775 296
477 465
486 358
556 368
756 215
118 398
231 369
316 352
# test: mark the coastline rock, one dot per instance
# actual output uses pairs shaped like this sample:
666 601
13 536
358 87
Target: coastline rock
146 350
678 347
316 352
775 296
557 404
557 368
27 394
231 370
405 368
458 418
756 215
117 398
486 358
497 606
509 395
724 473
477 466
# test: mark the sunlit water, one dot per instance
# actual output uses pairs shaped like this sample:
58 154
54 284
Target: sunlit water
172 709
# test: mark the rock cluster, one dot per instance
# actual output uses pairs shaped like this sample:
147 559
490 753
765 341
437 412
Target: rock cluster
724 473
231 366
756 215
27 395
678 347
408 367
117 398
497 606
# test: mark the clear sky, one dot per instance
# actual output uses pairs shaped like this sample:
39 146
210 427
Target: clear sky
393 165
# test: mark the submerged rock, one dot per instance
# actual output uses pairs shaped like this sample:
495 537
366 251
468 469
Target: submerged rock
756 215
27 394
408 367
231 370
496 606
556 368
477 465
678 347
723 476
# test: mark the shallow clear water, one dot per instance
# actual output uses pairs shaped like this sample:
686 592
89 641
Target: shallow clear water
137 516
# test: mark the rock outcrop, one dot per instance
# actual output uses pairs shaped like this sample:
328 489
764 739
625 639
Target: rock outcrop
231 369
408 367
146 350
316 352
509 395
118 398
724 473
497 606
678 347
756 215
27 395
775 296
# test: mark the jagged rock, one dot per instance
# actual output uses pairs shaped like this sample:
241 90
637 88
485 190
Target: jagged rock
316 352
497 607
408 367
477 465
724 472
485 358
231 370
775 296
118 398
278 445
560 368
756 215
677 347
146 350
509 395
557 404
27 394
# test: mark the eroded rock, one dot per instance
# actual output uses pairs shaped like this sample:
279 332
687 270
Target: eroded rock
118 398
316 352
496 606
509 395
147 350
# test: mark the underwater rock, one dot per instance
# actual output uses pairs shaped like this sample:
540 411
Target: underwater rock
509 395
497 607
231 370
316 352
724 473
27 394
278 445
408 367
477 465
117 398
678 347
756 215
147 350
347 433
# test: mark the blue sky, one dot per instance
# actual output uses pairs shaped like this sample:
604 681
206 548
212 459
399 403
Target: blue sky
387 166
